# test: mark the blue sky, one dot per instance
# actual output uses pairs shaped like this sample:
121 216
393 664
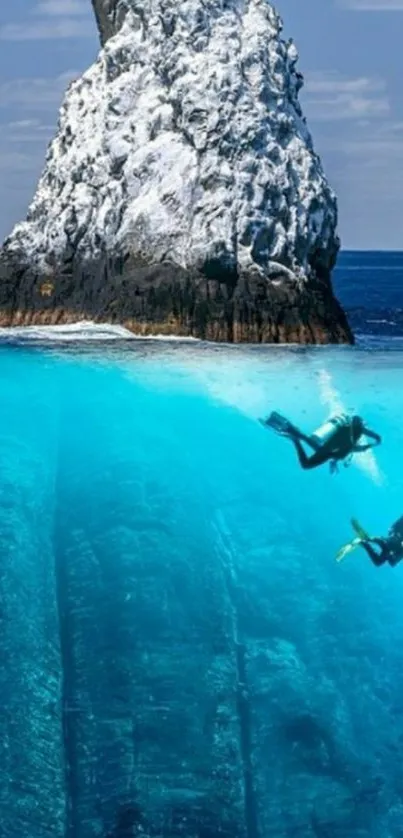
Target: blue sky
350 54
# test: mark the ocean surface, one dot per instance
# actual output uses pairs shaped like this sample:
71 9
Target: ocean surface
370 288
181 656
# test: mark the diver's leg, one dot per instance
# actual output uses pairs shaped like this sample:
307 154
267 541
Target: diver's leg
377 559
294 433
282 426
306 462
309 441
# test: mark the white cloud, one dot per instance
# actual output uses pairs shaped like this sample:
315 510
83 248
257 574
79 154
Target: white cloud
372 153
28 110
25 132
52 20
364 163
35 94
18 163
329 96
376 147
43 31
60 8
28 113
361 146
368 139
372 5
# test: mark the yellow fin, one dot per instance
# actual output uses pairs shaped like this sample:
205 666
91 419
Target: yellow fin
359 529
348 548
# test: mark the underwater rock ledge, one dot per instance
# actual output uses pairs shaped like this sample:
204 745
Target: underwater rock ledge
182 194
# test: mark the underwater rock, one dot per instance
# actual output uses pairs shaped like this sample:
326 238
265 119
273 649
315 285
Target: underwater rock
149 660
182 193
32 769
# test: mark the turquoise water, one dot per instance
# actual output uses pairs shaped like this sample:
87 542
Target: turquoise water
181 654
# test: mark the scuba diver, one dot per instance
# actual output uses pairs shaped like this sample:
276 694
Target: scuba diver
390 548
334 441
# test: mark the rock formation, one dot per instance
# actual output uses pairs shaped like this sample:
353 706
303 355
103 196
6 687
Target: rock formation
118 666
182 193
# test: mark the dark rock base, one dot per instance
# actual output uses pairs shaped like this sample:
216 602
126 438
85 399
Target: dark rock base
164 299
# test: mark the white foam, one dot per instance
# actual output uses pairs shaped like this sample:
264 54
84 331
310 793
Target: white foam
83 331
86 330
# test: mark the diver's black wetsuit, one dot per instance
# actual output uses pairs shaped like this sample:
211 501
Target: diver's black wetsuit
391 547
341 445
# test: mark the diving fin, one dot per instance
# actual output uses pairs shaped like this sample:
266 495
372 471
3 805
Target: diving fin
359 530
361 535
348 548
279 424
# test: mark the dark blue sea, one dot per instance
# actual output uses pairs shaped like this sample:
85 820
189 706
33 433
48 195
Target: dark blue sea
181 655
369 285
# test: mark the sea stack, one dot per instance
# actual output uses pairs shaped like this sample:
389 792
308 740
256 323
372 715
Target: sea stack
182 194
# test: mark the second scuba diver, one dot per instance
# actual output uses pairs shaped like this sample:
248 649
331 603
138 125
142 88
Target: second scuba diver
390 548
333 442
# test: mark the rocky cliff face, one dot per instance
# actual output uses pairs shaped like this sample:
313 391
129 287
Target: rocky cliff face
182 193
32 773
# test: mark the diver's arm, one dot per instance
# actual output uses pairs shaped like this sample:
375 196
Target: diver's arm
366 446
372 435
358 448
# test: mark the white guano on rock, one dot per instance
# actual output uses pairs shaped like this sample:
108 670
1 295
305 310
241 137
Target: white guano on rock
185 141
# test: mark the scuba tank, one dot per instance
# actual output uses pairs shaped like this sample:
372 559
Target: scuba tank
325 432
